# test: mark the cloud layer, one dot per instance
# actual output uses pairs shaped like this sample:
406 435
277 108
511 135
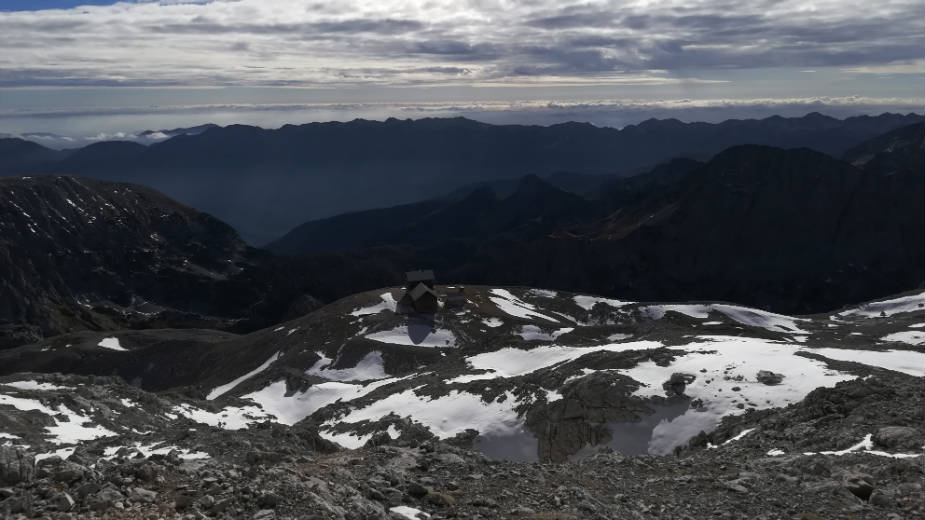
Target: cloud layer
446 42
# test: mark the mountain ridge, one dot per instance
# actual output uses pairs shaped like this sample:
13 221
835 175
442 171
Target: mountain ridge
264 182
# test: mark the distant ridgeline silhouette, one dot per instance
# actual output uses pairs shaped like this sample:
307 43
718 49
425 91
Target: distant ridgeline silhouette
265 182
786 230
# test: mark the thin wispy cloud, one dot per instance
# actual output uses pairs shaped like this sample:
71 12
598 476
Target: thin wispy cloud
451 42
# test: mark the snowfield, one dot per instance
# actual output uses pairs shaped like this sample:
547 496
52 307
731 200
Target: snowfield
415 335
887 308
744 315
493 363
514 306
222 390
388 303
370 367
112 344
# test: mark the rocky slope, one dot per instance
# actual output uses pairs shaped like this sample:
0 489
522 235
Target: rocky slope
86 254
901 149
527 374
788 230
802 417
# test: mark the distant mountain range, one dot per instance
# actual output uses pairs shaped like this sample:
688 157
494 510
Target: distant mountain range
792 230
265 182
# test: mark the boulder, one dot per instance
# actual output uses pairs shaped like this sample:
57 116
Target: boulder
15 466
859 484
899 438
769 378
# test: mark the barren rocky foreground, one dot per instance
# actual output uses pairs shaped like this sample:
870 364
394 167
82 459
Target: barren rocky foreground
511 403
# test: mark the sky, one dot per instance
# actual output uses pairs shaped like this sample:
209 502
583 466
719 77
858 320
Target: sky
112 68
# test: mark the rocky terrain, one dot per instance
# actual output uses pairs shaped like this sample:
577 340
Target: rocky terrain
264 182
80 254
793 231
789 230
510 402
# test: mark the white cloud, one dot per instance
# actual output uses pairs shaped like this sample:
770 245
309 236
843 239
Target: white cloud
428 42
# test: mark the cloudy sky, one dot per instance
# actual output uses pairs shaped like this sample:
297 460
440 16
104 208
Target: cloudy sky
132 64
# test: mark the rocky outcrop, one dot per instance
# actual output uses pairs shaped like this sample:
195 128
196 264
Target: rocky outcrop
85 254
16 466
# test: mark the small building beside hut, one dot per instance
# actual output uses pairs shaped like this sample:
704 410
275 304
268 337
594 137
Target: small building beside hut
420 294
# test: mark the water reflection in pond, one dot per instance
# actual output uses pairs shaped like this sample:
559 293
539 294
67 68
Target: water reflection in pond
668 426
518 446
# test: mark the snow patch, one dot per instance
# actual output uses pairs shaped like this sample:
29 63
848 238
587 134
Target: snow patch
371 366
721 365
153 449
229 418
905 361
534 333
111 344
911 303
911 337
222 390
866 445
388 303
445 416
588 302
512 362
74 429
62 453
516 307
744 315
35 385
293 408
418 336
409 513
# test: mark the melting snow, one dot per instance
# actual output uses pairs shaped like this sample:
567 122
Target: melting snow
63 453
913 302
866 446
588 302
409 513
512 362
516 307
912 337
348 440
221 390
388 303
445 416
35 385
905 361
739 360
743 315
293 408
152 449
371 366
415 335
73 430
25 404
534 333
492 322
112 344
230 418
